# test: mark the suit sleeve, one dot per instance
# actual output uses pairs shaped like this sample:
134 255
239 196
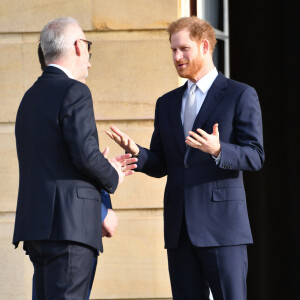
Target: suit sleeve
246 152
152 162
80 132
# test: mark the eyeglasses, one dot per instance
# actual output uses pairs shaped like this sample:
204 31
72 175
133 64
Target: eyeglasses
89 44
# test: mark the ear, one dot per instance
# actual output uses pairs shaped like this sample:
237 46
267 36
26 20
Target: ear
205 46
77 48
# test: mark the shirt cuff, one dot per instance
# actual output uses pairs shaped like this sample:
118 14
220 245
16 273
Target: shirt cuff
217 159
104 211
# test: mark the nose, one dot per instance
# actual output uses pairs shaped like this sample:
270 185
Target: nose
177 55
89 64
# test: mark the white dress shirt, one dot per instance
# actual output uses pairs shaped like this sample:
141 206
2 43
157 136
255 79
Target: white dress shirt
203 85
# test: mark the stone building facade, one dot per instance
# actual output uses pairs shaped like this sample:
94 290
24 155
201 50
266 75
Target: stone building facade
131 67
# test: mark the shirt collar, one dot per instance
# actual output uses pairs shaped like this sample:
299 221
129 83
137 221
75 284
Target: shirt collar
205 82
68 73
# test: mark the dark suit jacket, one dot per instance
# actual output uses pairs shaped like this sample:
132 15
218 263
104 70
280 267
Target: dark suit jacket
212 196
61 168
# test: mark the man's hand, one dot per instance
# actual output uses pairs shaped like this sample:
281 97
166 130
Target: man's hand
105 151
208 143
124 165
123 140
109 224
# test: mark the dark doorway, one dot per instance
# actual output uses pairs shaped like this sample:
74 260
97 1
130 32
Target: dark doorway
264 53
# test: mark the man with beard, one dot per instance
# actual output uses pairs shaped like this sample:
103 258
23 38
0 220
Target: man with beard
205 213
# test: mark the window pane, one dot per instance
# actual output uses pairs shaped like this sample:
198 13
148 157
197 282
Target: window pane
213 13
193 7
218 56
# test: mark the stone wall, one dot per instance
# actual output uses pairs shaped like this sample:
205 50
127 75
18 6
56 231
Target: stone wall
131 68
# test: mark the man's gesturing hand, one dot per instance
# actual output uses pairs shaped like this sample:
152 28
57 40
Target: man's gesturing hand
124 165
109 224
123 140
209 143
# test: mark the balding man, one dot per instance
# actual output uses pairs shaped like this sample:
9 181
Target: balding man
62 169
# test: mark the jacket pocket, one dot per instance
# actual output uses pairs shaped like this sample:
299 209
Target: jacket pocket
229 194
88 193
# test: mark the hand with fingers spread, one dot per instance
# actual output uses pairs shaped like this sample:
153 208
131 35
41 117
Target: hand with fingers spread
209 143
124 165
123 140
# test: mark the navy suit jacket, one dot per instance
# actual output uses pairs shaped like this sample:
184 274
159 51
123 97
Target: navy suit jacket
212 196
61 168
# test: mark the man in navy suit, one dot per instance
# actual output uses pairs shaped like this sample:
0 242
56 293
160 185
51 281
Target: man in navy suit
62 170
109 219
206 133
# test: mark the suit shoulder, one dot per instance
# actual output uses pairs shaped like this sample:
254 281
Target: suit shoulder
60 82
78 87
76 94
173 92
241 93
68 84
178 92
237 85
76 91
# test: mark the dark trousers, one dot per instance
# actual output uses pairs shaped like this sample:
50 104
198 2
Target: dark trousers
63 270
193 270
95 260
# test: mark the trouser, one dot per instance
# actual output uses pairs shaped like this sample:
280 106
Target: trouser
194 270
63 269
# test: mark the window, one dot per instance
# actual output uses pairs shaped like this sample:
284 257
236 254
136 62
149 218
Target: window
216 13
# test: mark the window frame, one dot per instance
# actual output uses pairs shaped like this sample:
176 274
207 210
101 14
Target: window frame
186 8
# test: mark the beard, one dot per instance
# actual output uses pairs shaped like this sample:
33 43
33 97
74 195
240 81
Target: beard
191 69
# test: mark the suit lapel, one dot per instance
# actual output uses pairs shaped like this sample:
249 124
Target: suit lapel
176 118
212 99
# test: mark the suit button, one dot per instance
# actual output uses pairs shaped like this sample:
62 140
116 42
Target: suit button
108 187
186 166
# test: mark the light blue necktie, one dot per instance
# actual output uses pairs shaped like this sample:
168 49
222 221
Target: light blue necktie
190 111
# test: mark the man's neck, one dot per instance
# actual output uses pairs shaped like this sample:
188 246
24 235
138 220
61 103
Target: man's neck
204 71
64 69
66 66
